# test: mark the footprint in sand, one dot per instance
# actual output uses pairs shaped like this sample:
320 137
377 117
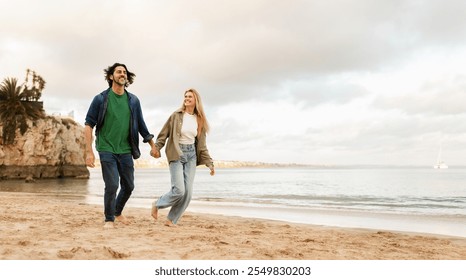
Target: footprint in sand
75 252
115 254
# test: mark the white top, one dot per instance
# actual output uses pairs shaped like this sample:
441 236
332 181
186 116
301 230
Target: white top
188 129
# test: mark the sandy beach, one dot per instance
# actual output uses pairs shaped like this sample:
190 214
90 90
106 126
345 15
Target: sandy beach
45 227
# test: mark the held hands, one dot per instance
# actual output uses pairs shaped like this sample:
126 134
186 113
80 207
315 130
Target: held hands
155 153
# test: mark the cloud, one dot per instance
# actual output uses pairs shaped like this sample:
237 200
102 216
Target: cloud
436 98
311 81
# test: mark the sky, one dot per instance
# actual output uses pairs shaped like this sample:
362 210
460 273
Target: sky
332 82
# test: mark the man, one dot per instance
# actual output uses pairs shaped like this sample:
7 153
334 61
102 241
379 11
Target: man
117 116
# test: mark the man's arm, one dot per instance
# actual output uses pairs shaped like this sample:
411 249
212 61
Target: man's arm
90 158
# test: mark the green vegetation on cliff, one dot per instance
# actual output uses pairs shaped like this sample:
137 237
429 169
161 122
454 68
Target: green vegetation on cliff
19 103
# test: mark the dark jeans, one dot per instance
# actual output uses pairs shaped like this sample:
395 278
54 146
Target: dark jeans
117 170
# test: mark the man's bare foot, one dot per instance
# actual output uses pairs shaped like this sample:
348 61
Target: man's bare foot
122 219
169 223
154 212
108 225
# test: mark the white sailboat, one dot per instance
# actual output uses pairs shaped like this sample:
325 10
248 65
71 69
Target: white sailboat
440 163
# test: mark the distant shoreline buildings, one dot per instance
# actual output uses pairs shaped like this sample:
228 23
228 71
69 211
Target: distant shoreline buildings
162 163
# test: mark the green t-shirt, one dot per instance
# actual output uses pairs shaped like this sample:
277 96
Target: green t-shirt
114 134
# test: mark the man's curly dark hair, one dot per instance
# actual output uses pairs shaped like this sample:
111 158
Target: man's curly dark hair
111 69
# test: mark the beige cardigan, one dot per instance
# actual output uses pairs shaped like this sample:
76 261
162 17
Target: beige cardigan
172 131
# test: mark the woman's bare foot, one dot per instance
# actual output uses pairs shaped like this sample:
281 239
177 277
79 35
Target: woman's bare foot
122 219
154 212
169 223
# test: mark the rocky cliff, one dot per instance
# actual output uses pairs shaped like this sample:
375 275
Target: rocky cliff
50 148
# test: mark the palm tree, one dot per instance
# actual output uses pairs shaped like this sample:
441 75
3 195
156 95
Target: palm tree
34 91
16 107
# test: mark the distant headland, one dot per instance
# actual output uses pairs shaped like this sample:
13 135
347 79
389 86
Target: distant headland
162 163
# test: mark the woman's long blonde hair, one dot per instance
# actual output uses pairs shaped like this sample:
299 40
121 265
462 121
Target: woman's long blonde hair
199 111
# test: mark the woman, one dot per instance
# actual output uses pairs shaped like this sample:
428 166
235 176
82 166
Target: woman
186 148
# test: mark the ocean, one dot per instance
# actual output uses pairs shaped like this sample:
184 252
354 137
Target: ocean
413 199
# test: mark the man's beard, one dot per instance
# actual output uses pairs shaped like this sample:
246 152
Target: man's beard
121 81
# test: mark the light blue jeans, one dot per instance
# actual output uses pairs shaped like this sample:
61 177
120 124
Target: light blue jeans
182 173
